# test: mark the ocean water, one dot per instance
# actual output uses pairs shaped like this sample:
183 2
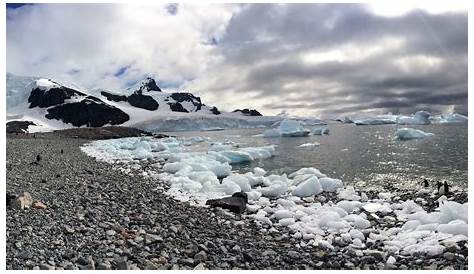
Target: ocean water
366 156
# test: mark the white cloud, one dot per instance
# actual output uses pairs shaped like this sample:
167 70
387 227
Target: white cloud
96 40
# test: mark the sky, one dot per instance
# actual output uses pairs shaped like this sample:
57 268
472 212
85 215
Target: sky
325 60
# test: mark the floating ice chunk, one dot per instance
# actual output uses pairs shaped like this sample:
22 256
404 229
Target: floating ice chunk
292 128
431 250
456 227
320 131
262 219
282 214
309 144
264 152
411 225
385 196
274 190
234 157
359 221
286 221
254 195
228 187
252 208
269 133
286 203
372 207
356 234
307 170
186 184
329 184
258 171
453 211
240 180
404 134
377 120
349 206
327 217
420 118
391 260
453 118
307 188
348 193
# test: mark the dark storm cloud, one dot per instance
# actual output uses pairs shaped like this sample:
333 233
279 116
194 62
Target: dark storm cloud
428 69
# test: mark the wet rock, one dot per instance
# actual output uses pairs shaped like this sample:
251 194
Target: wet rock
237 203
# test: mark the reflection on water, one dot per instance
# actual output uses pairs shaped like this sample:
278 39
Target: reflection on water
364 155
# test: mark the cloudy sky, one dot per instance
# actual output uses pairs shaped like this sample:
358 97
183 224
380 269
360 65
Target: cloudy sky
308 59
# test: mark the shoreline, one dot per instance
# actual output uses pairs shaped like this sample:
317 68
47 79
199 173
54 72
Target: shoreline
94 210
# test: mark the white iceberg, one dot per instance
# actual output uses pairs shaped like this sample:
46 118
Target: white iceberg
419 118
320 131
287 128
411 133
377 120
452 118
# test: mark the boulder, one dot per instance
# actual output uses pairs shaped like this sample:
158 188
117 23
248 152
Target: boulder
91 112
237 203
137 99
114 97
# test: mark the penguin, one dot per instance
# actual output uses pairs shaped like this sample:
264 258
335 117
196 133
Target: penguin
38 158
438 186
446 187
62 151
426 183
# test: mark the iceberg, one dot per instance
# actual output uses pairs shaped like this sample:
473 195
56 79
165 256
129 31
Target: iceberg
287 128
420 118
377 120
452 118
321 131
411 133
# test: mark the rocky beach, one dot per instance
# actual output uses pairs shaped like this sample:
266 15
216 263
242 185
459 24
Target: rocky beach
86 214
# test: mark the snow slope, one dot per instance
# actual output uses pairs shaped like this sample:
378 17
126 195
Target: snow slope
199 116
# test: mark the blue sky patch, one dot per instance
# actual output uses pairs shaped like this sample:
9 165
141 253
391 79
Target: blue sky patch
121 71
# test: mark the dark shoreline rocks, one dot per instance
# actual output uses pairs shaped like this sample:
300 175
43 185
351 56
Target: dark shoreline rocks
100 218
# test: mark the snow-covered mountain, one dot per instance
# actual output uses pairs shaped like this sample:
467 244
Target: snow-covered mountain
52 105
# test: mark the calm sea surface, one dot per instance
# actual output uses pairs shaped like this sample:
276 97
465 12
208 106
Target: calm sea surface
366 156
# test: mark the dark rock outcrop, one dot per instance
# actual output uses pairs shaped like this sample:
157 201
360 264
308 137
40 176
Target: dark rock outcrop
177 107
89 112
19 126
237 203
114 97
215 111
187 97
54 96
248 112
137 99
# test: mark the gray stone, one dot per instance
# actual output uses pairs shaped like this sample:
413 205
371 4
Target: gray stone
201 256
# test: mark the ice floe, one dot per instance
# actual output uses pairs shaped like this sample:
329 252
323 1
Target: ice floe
411 133
287 128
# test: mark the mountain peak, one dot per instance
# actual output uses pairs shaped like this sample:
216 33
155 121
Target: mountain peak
149 84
